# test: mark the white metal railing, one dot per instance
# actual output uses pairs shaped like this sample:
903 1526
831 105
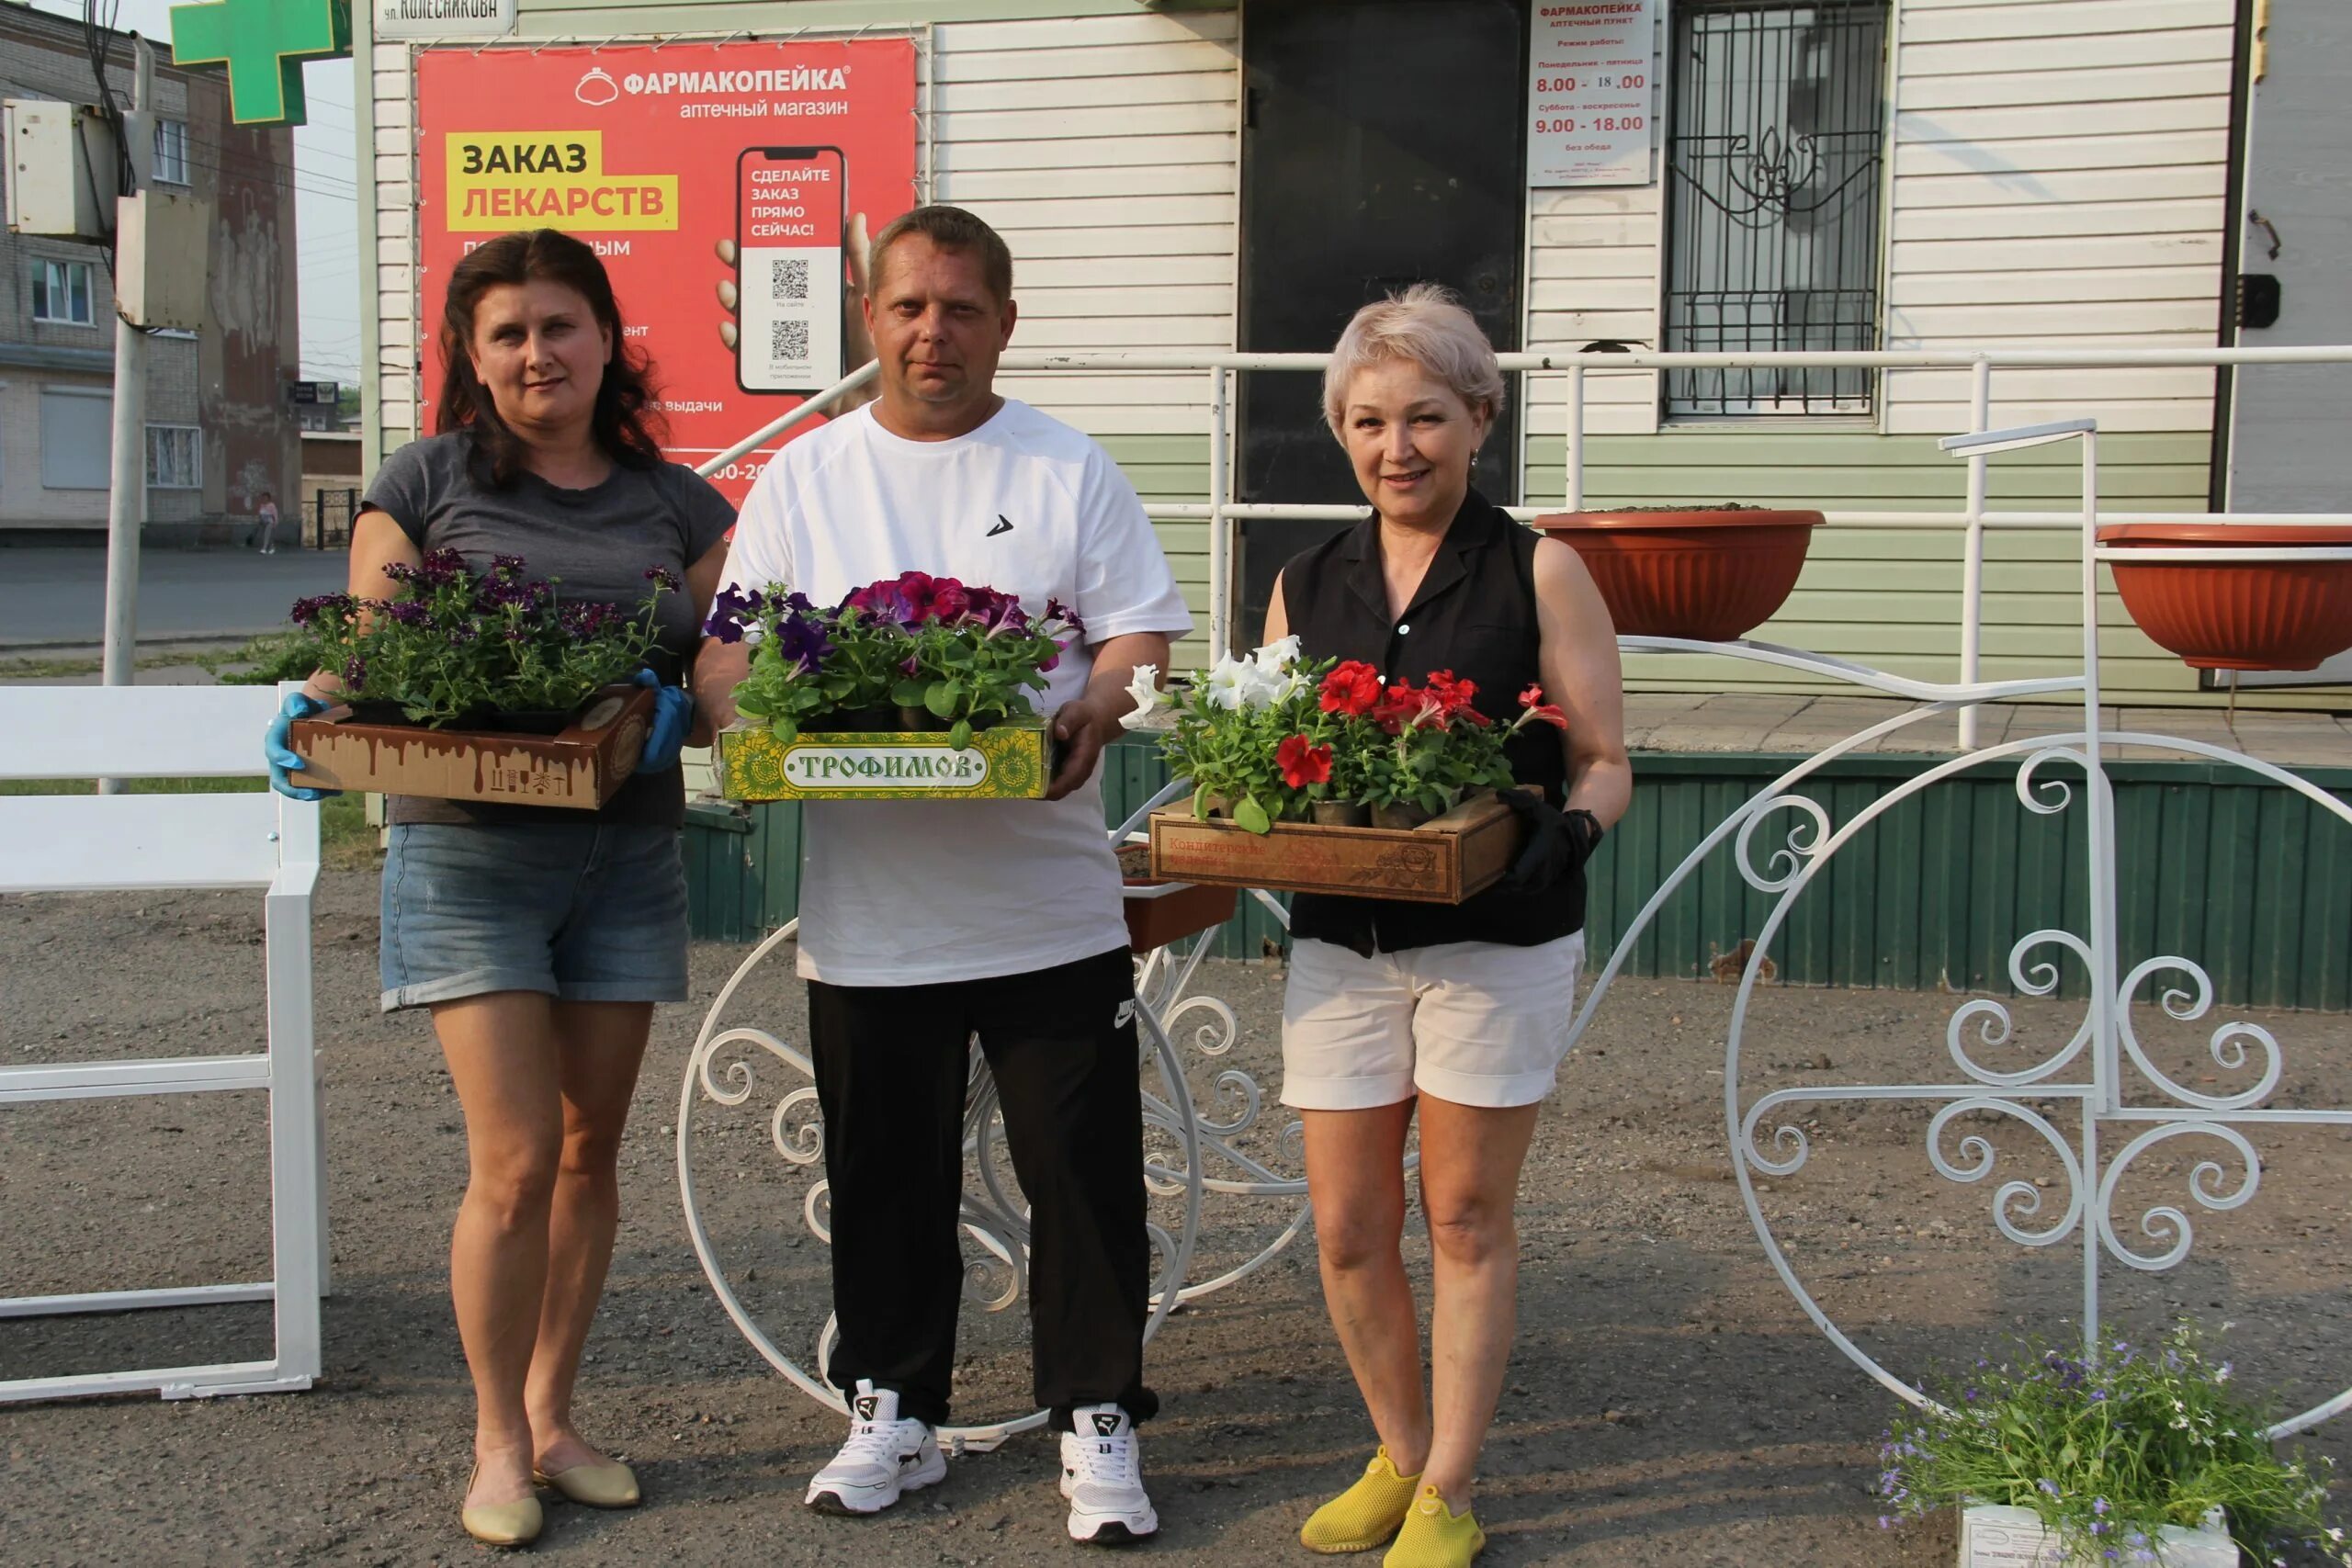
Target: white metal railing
1976 518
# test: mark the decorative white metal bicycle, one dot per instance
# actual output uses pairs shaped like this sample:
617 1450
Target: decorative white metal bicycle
2109 1104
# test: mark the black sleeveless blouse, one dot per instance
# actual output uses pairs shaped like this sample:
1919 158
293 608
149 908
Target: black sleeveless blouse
1474 614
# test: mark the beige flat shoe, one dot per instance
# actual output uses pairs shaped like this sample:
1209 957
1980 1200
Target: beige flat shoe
610 1484
502 1524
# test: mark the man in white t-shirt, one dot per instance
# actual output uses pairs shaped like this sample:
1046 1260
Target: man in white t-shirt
924 925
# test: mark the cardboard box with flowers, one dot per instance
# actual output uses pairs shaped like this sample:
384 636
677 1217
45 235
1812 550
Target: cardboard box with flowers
912 688
1319 777
466 686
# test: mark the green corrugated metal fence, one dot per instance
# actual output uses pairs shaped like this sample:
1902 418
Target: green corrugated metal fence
2248 879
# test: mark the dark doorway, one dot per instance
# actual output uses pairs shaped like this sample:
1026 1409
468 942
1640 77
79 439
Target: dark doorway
1382 145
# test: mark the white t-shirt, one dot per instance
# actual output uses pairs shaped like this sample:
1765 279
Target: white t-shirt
895 893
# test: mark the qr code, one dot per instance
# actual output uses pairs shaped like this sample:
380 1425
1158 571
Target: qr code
787 340
789 280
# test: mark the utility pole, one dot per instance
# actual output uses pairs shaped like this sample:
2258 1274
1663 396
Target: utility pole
127 492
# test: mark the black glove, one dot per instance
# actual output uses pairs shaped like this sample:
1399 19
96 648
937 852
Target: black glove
1558 842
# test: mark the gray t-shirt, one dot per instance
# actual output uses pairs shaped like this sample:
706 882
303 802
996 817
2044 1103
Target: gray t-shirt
594 545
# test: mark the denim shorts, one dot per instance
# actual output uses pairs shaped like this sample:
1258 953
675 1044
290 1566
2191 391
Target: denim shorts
592 913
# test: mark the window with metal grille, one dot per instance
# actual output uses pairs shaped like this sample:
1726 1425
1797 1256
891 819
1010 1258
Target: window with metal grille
1773 171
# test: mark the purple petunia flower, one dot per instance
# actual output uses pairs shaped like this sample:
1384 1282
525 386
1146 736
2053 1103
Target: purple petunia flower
444 565
803 644
506 566
887 602
662 577
1058 611
2048 1485
308 610
355 673
409 613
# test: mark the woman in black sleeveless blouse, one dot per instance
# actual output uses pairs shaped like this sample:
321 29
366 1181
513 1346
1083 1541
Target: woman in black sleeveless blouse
1460 1010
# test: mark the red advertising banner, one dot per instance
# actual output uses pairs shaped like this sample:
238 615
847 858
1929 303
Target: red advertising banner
687 166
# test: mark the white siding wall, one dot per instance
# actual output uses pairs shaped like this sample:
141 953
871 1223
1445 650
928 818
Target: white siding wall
2059 167
1106 151
1595 269
1106 148
2057 172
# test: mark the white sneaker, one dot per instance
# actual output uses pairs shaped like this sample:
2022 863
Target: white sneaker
884 1458
1102 1478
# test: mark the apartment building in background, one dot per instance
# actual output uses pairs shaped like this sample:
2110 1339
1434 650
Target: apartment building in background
220 429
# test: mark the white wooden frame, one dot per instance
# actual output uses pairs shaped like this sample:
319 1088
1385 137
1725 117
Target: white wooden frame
258 840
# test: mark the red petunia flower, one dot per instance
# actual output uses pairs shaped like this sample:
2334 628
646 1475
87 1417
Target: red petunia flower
1352 690
1303 762
1452 696
1538 711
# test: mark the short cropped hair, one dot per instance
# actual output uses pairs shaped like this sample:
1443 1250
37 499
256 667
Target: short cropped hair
1426 324
950 229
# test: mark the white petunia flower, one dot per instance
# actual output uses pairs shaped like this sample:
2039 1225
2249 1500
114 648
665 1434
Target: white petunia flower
1144 687
1274 655
1224 684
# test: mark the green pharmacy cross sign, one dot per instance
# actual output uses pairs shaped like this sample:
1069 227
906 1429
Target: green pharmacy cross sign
264 44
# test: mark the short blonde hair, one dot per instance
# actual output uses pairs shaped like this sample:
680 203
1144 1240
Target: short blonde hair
1426 324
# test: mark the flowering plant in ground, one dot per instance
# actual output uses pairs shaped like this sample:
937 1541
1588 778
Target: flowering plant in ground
964 655
2107 1452
451 644
1273 734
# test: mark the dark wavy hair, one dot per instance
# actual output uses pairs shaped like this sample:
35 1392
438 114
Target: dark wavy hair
625 423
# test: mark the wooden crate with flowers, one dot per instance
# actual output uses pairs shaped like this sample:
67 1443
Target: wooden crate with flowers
912 688
1320 778
478 686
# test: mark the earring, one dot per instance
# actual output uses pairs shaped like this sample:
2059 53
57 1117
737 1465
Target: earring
1474 462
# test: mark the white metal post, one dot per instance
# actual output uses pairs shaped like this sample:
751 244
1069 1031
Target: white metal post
1575 438
1971 571
127 484
297 1200
2106 1063
1220 544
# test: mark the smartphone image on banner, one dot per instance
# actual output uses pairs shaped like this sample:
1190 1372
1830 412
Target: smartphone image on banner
791 207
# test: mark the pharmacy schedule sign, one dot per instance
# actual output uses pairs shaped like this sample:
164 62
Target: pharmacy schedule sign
1592 74
722 182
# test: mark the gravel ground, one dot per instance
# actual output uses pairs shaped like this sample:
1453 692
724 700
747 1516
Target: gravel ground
1667 1401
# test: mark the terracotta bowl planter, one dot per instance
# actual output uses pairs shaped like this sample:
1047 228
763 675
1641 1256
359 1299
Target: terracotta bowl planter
2237 615
1709 575
1159 911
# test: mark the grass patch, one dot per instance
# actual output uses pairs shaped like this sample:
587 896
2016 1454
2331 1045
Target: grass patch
261 661
346 840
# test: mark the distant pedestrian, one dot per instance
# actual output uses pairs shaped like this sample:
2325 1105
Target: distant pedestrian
265 523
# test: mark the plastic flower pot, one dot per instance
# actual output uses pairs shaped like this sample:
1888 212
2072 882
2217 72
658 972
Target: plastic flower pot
1707 574
2225 614
1400 816
1994 1535
1340 814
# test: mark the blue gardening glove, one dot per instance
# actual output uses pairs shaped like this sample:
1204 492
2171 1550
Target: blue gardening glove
674 710
278 746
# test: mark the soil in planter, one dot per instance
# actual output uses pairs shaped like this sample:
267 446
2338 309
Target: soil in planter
1134 863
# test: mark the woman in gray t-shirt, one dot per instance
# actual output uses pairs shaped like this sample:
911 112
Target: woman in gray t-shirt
541 938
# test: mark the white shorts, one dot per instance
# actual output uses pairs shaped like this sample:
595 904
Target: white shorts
1474 1023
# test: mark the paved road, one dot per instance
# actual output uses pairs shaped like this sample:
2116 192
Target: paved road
56 597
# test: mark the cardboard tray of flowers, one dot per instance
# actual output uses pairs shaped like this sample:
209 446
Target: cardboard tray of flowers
1444 860
477 686
1318 777
912 688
